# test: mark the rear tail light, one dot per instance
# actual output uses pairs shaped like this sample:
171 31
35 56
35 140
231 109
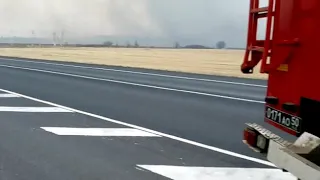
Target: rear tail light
250 137
255 140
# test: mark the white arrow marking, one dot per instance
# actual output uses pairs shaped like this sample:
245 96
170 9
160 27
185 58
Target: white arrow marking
65 131
217 173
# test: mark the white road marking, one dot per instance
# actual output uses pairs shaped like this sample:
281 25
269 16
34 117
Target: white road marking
141 73
8 95
216 149
32 109
219 173
66 131
136 84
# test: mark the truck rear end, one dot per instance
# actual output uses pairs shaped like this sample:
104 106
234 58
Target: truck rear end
289 55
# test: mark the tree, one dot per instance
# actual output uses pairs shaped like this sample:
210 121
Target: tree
128 45
136 44
176 45
221 45
108 43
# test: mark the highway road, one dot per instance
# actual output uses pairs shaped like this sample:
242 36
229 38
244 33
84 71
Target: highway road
80 121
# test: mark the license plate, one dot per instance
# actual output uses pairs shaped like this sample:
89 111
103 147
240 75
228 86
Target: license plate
284 119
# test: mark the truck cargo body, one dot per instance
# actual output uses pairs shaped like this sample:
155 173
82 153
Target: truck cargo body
289 55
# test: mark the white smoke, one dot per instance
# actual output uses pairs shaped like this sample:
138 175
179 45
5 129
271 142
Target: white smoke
76 17
192 21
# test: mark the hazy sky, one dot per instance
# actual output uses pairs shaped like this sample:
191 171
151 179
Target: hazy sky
203 19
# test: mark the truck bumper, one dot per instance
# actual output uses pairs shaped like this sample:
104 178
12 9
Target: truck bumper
288 156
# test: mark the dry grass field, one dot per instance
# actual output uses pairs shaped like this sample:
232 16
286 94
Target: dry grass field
213 62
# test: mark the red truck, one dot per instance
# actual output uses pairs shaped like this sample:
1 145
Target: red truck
289 55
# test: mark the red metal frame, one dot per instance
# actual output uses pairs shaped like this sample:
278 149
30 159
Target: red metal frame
258 49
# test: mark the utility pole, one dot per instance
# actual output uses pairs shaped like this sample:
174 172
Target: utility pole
54 38
62 38
34 36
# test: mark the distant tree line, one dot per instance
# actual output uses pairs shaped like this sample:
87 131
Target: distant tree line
218 45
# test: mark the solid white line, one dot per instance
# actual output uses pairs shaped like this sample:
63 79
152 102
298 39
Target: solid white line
221 173
66 131
8 95
136 72
32 109
136 84
150 131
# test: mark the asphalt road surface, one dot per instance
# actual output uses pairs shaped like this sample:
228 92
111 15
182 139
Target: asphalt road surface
78 121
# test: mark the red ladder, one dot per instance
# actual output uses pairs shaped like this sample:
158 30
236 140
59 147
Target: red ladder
258 49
